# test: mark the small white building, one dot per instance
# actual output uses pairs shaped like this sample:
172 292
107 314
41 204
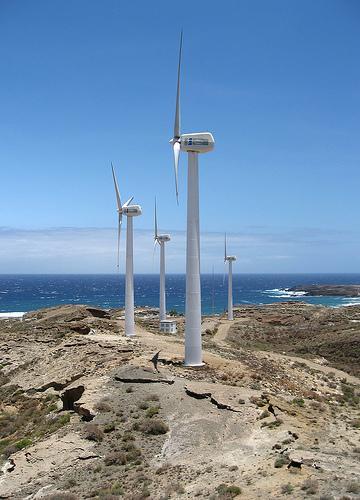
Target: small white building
168 326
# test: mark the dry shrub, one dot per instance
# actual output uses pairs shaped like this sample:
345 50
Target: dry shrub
93 433
115 458
103 405
154 426
311 486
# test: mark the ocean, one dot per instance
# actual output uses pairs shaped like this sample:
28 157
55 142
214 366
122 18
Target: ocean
22 293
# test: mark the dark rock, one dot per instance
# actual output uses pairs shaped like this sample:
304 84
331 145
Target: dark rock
69 396
80 328
328 290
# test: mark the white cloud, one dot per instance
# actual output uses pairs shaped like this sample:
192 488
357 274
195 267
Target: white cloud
93 250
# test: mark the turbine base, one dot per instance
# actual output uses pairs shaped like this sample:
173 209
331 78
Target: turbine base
194 365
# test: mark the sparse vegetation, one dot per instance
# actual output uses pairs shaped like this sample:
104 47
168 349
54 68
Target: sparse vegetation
103 406
287 489
280 462
23 443
154 426
311 486
228 491
109 427
273 424
115 458
93 433
33 419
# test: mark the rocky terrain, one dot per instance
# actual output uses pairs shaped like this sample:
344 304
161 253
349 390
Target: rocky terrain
274 413
331 290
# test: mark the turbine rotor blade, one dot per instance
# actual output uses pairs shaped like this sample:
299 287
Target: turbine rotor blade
176 147
177 108
156 227
127 203
117 192
225 254
154 250
118 242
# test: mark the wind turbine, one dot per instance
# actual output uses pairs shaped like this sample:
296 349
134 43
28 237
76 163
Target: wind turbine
129 211
193 144
230 259
161 239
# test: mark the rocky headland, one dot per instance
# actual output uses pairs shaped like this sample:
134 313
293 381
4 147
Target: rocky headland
328 290
274 413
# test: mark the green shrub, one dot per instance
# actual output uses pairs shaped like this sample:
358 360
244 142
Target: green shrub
23 443
228 491
298 401
153 410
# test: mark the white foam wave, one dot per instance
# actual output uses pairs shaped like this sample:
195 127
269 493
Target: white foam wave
283 293
352 301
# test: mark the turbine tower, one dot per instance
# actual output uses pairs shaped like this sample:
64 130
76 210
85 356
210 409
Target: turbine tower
129 211
193 144
161 239
230 259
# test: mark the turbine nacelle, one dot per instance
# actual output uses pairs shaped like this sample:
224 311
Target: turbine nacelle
199 142
131 210
163 238
231 258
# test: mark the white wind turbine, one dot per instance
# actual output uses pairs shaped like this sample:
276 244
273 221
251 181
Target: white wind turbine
161 239
193 144
230 259
129 211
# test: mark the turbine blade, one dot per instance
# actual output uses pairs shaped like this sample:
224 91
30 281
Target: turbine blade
118 242
177 108
127 203
154 250
176 147
156 228
225 254
117 192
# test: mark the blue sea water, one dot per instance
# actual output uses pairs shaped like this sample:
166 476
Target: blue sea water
22 293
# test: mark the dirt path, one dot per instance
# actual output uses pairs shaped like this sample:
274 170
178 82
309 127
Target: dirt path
221 334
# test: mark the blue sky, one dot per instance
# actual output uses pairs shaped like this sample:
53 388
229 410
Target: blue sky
85 82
